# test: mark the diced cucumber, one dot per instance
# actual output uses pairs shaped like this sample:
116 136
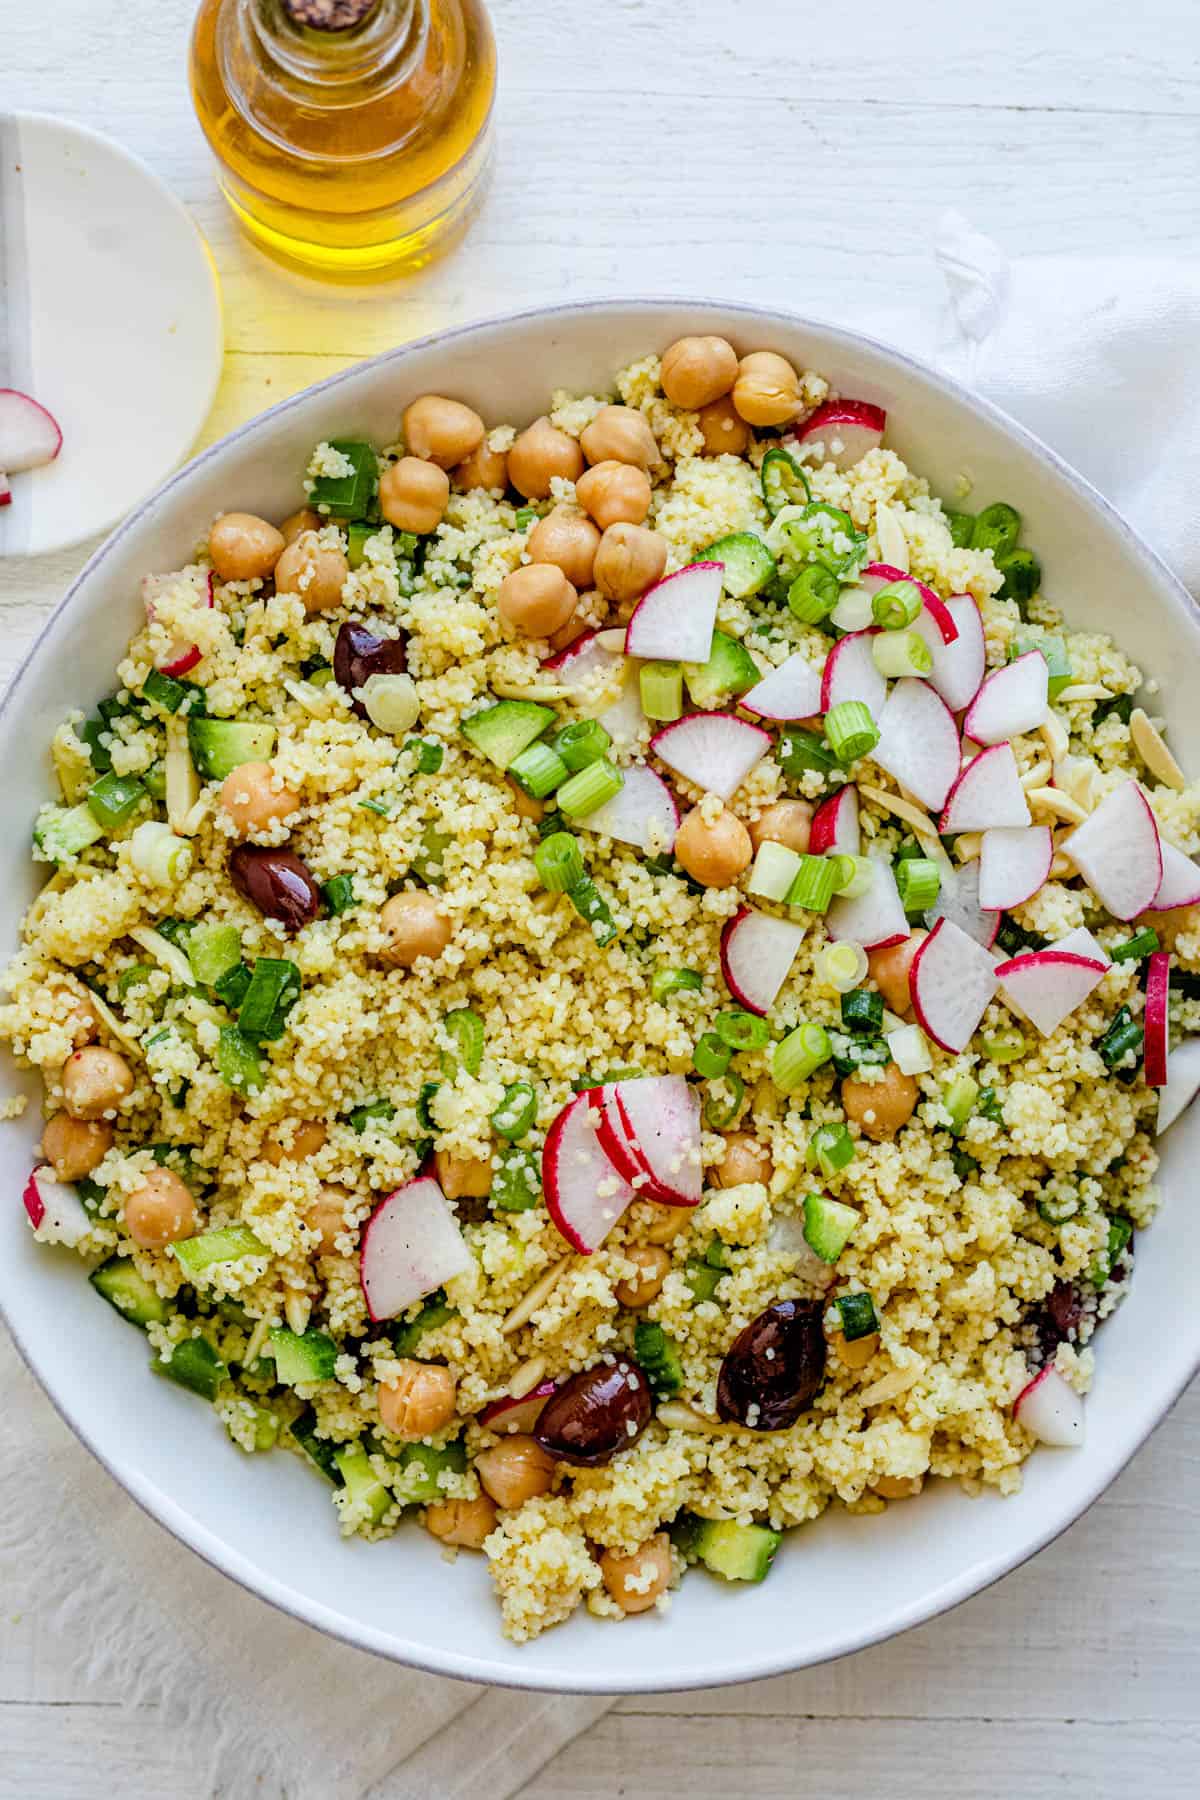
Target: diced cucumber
775 869
194 1364
658 1355
1120 1232
730 670
226 1244
238 1061
502 731
375 1112
362 1484
132 1295
828 1225
433 1313
517 1182
348 496
212 950
783 481
749 565
219 746
115 798
266 1427
735 1552
705 1273
302 1356
1053 648
420 1466
356 541
321 1452
62 832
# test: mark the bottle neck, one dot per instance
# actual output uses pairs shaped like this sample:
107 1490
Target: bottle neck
328 44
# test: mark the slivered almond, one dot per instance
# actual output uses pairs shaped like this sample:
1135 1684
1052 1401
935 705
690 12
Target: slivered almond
676 1415
113 1025
912 815
540 1292
1038 776
1053 800
889 534
168 955
967 845
526 1378
1055 736
530 690
1150 745
1084 690
297 1310
895 1382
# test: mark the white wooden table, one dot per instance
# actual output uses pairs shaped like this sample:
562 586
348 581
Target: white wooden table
763 149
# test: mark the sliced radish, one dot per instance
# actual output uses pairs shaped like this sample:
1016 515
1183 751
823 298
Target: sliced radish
792 691
958 667
835 827
29 435
1180 884
757 953
1183 1083
1051 1409
951 981
918 742
585 1196
5 490
1158 983
934 610
958 901
987 795
842 431
623 718
661 1115
1118 852
411 1245
875 919
180 657
583 660
508 1415
55 1210
674 620
714 750
1013 699
1014 862
644 813
619 1146
1048 985
850 674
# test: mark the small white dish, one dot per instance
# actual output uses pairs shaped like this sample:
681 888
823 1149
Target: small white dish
110 316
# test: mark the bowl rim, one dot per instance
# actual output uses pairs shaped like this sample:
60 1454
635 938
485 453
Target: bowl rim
162 1507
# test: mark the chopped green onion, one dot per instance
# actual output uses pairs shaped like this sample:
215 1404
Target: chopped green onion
989 1106
996 528
517 1182
665 982
1143 943
538 770
155 778
583 742
859 1318
464 1028
862 1011
1056 1209
1120 1232
348 496
230 988
516 1112
918 879
115 798
900 653
273 991
813 595
720 1114
434 1312
711 1056
591 905
830 1149
742 1030
800 751
239 1062
855 875
158 854
166 692
430 755
828 1225
559 862
1004 1046
1022 574
841 966
428 864
851 730
1053 650
813 887
623 1072
703 1273
588 790
962 527
775 869
958 1098
338 894
800 1054
212 951
1123 1038
379 1112
658 1355
525 517
965 1167
661 687
133 977
820 533
855 1051
896 605
784 482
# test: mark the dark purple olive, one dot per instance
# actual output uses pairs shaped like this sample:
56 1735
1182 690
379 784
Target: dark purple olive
358 654
773 1369
596 1413
277 882
1058 1318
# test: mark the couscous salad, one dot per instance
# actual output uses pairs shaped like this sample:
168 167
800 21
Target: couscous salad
613 982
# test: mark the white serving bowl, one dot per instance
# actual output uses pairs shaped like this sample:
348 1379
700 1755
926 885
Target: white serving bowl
266 1521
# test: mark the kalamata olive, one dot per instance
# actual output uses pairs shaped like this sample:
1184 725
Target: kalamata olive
1058 1318
277 882
358 653
773 1369
596 1413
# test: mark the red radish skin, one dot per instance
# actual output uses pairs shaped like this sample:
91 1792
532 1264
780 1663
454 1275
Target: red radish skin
757 953
877 575
952 979
716 751
1014 862
958 667
643 813
1118 852
1158 984
1013 699
507 1415
30 437
621 1150
1048 985
835 828
850 674
674 620
790 692
1182 1086
188 657
918 742
35 1206
843 431
5 490
54 1209
585 1196
987 794
582 659
661 1116
1051 1410
411 1245
1180 884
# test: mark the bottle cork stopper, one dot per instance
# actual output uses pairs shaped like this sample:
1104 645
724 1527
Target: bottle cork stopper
328 15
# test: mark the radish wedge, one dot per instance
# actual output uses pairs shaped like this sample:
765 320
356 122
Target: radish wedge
958 901
850 674
934 610
1183 1083
622 1152
987 794
1180 884
581 661
958 667
29 435
714 750
643 814
55 1210
411 1245
918 742
508 1415
5 490
623 718
1014 862
661 1115
1117 851
180 657
674 620
757 953
952 979
585 1196
792 691
842 431
1158 983
835 828
875 919
1013 699
1048 985
1051 1410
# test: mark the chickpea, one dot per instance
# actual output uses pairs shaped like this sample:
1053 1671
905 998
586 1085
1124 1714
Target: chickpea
880 1107
463 1177
1170 923
898 1487
298 523
767 389
525 806
652 1265
619 434
515 1470
77 1015
536 599
567 540
635 1582
94 1082
418 1401
326 1215
74 1147
855 1353
414 495
244 547
441 431
161 1211
307 1138
313 571
464 1523
698 370
576 627
724 433
415 926
630 559
714 855
891 970
484 468
254 798
666 1223
787 822
614 493
538 455
745 1159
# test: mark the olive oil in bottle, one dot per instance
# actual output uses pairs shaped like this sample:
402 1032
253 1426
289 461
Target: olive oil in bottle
352 137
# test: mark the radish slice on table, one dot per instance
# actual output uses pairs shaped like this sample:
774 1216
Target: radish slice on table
1180 884
29 435
958 667
842 431
1014 862
1051 1409
55 1210
661 1115
1048 985
757 953
951 981
674 620
714 750
918 742
850 674
1182 1086
583 660
585 1196
958 901
835 826
934 611
987 794
1118 853
875 919
411 1245
643 813
1013 699
508 1415
180 657
792 691
1158 983
5 490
